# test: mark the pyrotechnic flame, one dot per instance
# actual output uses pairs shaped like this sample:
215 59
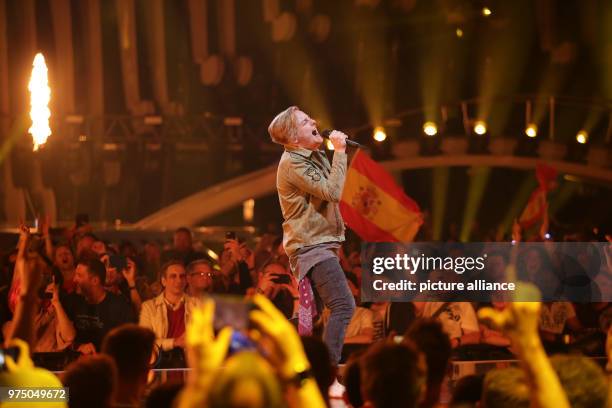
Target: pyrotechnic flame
40 94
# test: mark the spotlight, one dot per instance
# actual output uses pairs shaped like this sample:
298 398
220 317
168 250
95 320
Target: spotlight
582 137
430 128
459 32
486 11
330 145
531 130
480 127
379 134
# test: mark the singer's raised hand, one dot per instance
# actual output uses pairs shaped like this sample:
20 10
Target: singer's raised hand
338 139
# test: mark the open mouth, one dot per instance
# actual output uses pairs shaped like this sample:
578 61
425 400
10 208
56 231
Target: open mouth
314 132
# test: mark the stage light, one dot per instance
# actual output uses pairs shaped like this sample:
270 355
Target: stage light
430 128
531 130
459 32
582 137
480 127
486 11
330 145
379 134
248 210
155 120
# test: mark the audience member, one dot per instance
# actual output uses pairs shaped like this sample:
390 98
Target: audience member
121 279
131 347
467 391
352 380
167 314
583 381
458 321
182 248
318 357
95 311
200 278
91 381
64 260
393 376
163 395
84 244
53 330
505 388
555 319
428 335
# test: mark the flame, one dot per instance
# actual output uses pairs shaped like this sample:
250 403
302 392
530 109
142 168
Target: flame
40 94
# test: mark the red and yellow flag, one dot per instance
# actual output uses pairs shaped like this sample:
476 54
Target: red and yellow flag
374 206
536 205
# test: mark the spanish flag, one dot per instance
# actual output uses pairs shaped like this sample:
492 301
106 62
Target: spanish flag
374 206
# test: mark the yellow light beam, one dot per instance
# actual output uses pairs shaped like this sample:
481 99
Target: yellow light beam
479 176
504 53
560 197
438 200
517 204
19 126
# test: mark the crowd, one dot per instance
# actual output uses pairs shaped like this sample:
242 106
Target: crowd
120 309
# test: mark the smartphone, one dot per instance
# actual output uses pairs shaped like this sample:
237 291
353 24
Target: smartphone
240 342
281 278
232 311
119 262
12 352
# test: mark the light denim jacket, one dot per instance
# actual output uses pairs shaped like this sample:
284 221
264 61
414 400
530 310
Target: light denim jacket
309 190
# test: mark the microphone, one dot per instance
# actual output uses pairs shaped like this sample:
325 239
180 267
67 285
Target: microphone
349 142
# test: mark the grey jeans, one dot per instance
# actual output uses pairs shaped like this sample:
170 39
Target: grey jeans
331 288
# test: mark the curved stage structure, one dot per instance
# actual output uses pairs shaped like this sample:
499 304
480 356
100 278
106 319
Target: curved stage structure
214 200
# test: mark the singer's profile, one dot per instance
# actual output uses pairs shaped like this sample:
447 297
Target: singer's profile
309 190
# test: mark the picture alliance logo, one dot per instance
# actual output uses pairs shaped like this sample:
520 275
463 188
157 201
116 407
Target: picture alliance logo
422 263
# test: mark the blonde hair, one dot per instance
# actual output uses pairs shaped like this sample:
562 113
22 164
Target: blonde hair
283 128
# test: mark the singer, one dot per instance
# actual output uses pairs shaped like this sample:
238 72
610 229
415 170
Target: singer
309 190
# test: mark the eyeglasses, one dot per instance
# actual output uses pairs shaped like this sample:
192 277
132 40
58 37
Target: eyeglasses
203 274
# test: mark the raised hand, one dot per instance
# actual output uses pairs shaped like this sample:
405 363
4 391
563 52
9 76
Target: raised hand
129 273
519 320
205 352
273 323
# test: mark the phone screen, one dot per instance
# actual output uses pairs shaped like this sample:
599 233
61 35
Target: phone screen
231 311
